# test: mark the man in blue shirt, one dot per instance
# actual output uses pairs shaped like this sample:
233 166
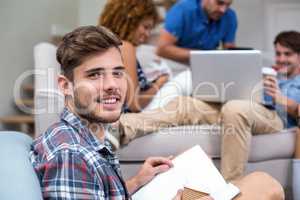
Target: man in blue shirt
287 50
197 24
241 119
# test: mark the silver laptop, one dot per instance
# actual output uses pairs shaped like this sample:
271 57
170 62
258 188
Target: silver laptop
223 75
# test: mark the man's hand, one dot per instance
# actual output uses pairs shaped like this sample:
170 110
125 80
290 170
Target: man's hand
151 167
272 89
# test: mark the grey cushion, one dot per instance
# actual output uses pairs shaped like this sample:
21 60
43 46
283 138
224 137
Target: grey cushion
18 179
273 146
296 178
175 140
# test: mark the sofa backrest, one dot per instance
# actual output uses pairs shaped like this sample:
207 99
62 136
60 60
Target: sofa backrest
48 100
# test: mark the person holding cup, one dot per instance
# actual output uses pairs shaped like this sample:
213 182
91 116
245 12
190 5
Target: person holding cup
278 110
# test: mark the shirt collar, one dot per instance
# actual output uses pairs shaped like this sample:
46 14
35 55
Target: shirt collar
285 80
83 131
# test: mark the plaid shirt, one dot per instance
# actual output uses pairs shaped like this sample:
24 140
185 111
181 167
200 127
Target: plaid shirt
71 163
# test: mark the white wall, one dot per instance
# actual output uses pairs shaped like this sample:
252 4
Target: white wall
24 24
90 12
251 22
261 20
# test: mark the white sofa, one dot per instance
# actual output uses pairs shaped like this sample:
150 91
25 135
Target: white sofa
271 153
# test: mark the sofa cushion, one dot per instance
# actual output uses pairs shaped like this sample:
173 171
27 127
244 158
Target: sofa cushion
273 146
173 141
18 179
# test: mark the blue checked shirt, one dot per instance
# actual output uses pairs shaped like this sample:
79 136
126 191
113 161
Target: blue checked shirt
71 163
291 89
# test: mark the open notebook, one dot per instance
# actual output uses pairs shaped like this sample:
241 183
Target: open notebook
192 169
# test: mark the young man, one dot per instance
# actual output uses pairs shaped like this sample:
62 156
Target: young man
73 159
240 118
197 24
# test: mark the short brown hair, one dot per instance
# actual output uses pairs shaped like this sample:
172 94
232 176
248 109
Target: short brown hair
81 43
124 16
289 39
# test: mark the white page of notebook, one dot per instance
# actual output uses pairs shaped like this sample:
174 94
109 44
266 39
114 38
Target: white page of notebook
192 169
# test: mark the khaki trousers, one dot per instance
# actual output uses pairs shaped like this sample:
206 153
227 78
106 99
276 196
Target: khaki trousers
239 119
259 186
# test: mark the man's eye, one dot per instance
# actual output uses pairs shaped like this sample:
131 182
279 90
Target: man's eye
95 75
118 73
287 54
148 27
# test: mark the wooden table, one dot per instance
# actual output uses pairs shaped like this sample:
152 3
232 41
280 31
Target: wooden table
25 122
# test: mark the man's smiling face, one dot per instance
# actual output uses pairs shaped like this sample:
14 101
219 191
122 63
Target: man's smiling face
287 61
99 87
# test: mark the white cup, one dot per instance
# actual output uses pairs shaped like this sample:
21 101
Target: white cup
267 99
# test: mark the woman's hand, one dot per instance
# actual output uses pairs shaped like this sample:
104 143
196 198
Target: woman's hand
161 80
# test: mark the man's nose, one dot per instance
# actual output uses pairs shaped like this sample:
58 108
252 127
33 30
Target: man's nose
109 82
281 58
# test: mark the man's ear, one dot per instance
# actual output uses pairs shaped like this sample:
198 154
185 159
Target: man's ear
65 85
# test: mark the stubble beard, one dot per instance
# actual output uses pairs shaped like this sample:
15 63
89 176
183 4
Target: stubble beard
89 112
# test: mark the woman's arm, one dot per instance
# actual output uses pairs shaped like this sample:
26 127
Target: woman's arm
137 99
